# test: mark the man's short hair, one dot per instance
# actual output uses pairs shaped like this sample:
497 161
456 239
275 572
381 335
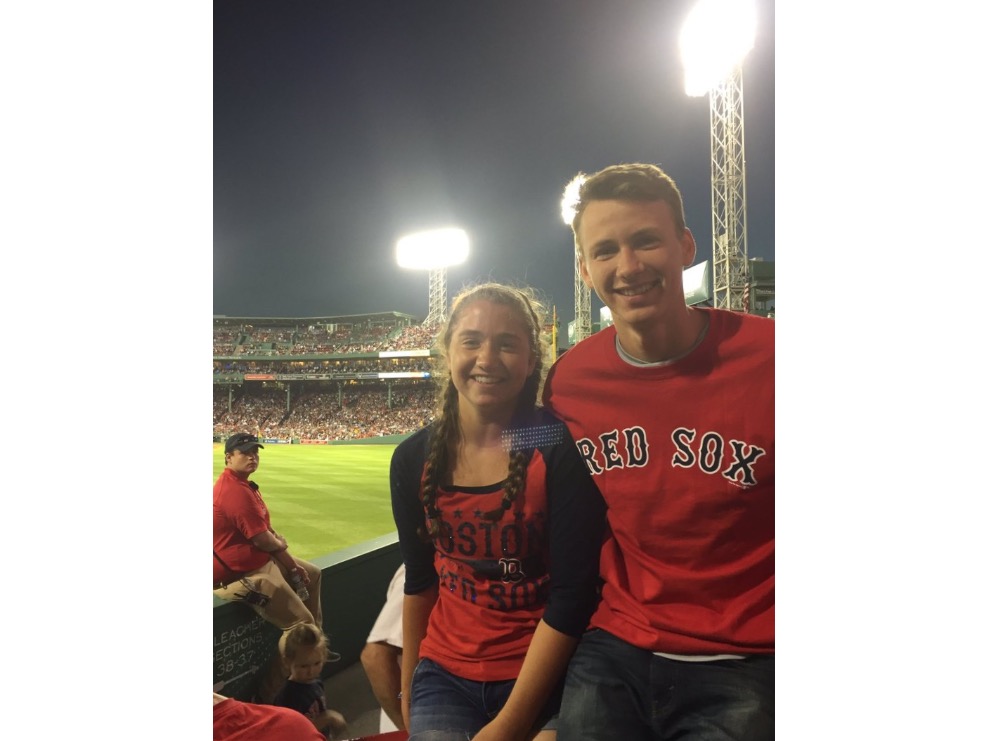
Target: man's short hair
631 182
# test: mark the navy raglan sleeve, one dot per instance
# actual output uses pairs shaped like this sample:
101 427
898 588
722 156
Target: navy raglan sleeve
577 523
406 475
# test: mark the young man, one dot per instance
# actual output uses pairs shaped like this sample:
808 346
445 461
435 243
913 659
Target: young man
673 412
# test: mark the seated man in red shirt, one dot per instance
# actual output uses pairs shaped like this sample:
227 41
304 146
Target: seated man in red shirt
251 562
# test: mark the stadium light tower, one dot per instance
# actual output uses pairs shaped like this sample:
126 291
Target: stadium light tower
581 291
434 250
716 36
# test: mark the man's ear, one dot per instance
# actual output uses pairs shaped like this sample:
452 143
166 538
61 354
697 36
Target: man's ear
583 271
688 248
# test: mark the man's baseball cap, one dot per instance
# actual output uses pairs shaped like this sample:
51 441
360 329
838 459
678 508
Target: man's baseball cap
242 441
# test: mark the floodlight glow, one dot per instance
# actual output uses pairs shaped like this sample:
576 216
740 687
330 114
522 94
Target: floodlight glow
570 197
695 283
433 249
714 39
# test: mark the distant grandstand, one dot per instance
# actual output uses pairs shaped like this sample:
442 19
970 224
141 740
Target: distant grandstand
321 379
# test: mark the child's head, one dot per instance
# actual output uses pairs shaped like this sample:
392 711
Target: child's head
304 649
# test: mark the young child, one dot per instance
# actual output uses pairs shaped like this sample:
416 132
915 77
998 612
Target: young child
304 650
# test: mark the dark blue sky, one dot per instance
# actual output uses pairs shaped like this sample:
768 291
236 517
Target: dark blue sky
341 125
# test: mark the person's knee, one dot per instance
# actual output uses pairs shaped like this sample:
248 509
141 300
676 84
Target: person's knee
286 609
312 571
579 698
379 657
369 656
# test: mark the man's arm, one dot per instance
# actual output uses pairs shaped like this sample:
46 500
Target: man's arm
276 547
380 662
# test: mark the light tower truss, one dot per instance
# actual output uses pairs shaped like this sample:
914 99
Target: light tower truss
729 192
438 298
582 324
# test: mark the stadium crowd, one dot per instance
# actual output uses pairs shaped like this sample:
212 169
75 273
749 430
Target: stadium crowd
247 340
384 365
319 415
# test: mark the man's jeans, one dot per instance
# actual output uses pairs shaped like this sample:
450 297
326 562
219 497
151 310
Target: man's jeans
617 691
448 708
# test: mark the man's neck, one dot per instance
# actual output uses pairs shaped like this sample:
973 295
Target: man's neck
665 342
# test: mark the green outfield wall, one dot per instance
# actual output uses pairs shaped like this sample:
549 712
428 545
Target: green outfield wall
386 440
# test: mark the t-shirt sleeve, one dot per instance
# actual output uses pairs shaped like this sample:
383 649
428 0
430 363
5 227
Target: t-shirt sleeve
577 523
406 474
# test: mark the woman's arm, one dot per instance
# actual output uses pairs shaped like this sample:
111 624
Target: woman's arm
544 664
416 611
421 582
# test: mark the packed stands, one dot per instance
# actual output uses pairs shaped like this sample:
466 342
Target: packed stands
322 378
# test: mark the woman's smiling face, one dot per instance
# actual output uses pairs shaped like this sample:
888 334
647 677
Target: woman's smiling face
490 357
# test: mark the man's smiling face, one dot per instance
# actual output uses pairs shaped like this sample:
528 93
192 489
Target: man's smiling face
633 255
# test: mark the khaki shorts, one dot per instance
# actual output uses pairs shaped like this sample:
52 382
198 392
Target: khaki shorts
267 591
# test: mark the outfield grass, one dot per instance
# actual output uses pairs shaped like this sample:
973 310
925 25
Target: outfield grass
323 497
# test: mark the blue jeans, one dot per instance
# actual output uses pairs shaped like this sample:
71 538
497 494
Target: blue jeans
447 708
617 691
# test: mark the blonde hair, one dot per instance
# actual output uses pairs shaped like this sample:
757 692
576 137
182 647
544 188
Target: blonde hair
446 432
299 637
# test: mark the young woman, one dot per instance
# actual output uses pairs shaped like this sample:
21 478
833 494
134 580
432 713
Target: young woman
304 650
497 516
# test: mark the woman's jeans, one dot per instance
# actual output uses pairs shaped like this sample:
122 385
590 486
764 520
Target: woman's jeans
448 708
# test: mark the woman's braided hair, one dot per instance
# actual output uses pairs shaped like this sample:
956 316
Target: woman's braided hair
447 430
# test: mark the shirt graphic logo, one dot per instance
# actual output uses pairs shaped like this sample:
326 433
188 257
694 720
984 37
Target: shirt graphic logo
512 571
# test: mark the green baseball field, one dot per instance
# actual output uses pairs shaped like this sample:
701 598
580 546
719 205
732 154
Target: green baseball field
323 497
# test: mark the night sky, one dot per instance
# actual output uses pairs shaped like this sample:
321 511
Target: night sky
340 126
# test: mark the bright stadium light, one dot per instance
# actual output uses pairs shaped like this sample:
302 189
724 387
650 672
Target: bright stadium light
581 292
429 250
570 197
715 38
434 250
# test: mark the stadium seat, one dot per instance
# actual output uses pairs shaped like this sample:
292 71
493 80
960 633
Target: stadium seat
390 736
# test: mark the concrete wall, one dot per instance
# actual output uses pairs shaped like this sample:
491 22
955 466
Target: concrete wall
354 583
